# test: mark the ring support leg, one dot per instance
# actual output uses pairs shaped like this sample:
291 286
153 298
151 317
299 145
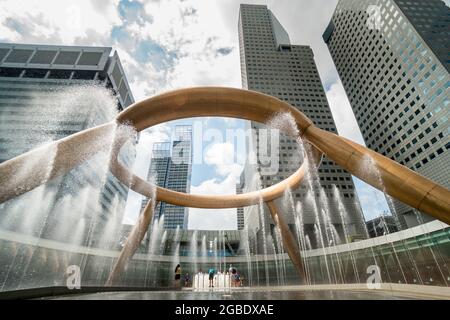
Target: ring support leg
133 242
289 243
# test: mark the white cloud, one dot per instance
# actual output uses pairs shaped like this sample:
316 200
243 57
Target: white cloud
194 32
206 69
214 219
223 157
56 22
144 80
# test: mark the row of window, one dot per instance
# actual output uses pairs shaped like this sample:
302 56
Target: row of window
48 74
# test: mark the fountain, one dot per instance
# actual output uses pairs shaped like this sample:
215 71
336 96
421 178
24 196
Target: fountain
79 153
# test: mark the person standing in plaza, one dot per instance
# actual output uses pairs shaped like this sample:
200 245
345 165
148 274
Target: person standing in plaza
211 273
177 275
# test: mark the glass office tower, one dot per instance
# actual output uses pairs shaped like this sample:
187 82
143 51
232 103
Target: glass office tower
393 59
171 168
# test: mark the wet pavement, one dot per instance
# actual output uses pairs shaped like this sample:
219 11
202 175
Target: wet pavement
241 295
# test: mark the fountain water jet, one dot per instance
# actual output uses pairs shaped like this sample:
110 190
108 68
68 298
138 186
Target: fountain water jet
204 252
264 237
193 249
344 216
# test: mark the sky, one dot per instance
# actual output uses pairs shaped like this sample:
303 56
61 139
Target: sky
170 44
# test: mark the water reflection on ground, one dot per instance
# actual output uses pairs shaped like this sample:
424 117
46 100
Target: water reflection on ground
241 295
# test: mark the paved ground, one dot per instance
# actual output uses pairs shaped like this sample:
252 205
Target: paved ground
241 295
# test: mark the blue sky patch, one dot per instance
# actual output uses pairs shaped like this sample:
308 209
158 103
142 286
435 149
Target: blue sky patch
133 11
224 51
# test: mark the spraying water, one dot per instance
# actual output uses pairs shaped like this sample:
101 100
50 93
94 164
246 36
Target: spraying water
193 248
67 208
344 217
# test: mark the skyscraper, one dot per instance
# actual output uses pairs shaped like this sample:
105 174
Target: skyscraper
272 65
393 59
171 168
157 172
49 92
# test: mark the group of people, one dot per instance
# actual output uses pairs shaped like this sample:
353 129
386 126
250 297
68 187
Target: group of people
235 277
